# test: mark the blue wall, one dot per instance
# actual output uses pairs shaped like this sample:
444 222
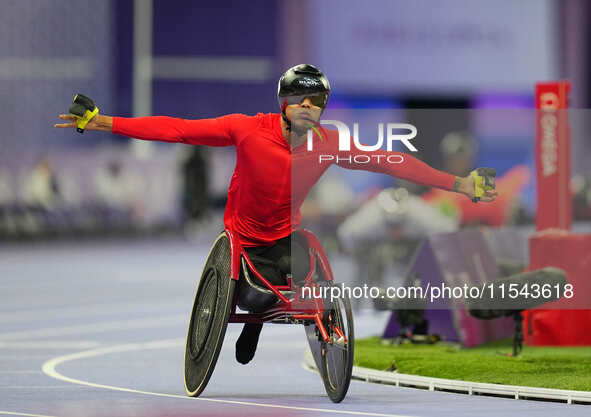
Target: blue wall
221 28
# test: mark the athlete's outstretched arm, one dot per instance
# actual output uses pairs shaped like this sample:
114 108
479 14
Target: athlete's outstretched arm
407 167
212 132
220 131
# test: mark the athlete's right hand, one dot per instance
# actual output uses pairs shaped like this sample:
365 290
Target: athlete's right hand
83 115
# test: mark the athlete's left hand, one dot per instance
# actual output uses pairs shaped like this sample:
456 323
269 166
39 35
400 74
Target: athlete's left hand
479 185
487 196
467 186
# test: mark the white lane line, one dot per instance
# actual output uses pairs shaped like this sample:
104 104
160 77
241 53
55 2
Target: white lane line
15 413
49 368
94 327
43 344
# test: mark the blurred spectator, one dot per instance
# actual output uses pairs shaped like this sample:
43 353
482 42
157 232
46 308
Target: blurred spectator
459 151
117 192
7 196
195 184
7 202
581 190
111 187
41 187
202 209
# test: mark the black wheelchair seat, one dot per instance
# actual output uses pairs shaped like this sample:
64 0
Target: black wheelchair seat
253 295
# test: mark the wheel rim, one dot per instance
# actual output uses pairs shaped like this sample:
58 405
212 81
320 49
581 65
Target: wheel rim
204 313
336 355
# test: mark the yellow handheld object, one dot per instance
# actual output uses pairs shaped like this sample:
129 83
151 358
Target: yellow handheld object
484 180
83 109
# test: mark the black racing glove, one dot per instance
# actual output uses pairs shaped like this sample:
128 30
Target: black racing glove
83 109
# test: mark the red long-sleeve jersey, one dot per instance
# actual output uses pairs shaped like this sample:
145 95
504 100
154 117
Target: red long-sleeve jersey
267 189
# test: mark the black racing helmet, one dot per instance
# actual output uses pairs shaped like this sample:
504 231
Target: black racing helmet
302 81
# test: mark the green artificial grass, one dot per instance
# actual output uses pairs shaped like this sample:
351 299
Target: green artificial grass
546 367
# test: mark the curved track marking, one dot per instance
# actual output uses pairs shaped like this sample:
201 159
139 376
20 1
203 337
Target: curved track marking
49 368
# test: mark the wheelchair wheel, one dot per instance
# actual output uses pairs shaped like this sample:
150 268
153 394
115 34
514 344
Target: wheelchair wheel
209 317
334 360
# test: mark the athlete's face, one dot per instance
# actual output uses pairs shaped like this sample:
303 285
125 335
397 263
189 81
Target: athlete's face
303 115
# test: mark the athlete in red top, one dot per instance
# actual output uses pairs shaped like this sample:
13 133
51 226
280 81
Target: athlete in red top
262 207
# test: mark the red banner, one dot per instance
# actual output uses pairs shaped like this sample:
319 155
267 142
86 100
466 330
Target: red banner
554 208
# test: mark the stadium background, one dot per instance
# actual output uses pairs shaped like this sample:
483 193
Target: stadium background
194 60
447 66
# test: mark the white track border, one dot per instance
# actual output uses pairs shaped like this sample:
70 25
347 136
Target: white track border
463 387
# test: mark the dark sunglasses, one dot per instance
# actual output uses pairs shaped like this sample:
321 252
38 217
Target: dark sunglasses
318 100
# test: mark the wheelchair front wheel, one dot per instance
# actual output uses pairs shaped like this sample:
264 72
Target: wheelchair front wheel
209 317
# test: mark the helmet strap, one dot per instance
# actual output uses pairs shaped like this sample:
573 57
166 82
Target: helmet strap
284 116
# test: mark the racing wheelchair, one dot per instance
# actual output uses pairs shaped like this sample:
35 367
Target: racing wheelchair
230 280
